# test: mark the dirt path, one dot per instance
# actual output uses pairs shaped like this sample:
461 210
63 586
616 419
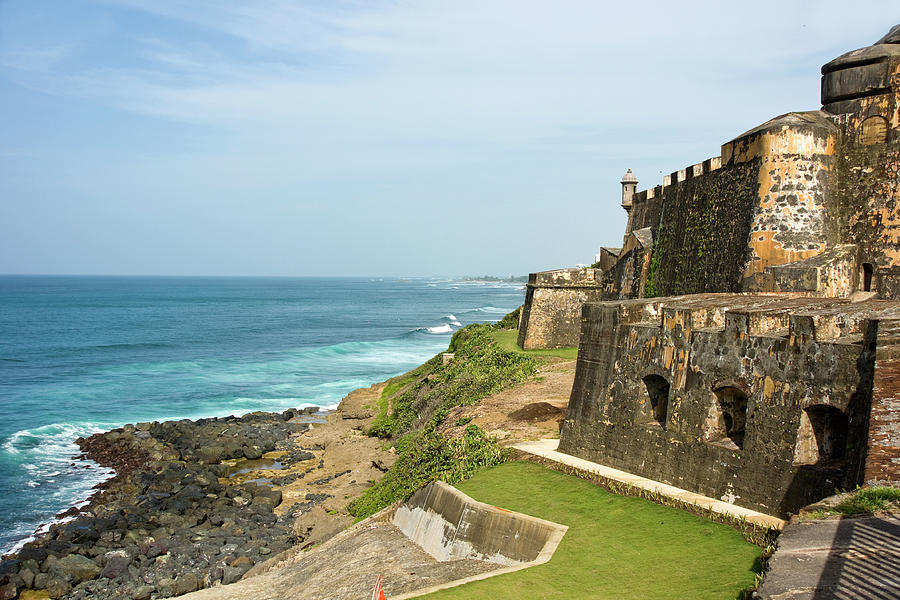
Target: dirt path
529 411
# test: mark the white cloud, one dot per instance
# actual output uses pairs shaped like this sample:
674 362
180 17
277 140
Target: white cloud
527 102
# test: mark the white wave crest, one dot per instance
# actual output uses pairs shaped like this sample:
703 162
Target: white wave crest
450 317
51 440
445 328
456 323
490 309
274 404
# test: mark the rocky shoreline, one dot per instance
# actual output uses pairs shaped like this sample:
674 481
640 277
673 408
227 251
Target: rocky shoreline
196 504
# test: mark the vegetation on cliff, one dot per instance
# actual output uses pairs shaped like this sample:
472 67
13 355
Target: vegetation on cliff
415 404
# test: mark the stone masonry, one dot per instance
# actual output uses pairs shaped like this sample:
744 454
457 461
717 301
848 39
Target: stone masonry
745 342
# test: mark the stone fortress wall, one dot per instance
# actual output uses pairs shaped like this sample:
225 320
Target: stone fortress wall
745 341
807 202
761 400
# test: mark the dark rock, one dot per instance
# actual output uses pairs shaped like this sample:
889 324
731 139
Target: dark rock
40 580
77 568
116 563
252 452
33 553
27 576
49 563
166 587
57 587
232 574
330 477
187 583
9 567
142 592
9 591
160 527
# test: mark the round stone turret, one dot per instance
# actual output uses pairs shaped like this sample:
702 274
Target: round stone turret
852 78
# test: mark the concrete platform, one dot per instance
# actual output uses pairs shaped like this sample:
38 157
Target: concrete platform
547 449
836 559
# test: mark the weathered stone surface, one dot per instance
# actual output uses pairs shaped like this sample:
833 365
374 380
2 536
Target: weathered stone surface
57 587
186 583
78 568
9 591
803 186
116 562
142 592
758 400
839 558
553 301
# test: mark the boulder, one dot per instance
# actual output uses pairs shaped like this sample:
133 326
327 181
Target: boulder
27 576
9 591
187 583
142 592
252 452
116 563
40 580
57 587
242 561
232 574
166 587
78 568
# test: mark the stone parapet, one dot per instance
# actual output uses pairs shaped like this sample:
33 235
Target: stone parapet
757 399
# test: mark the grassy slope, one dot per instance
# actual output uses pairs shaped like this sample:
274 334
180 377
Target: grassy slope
507 340
419 402
617 547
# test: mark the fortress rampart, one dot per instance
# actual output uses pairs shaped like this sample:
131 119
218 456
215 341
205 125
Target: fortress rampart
808 202
761 400
746 341
552 311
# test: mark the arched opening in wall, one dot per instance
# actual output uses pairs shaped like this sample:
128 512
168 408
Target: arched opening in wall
822 437
730 417
658 392
866 276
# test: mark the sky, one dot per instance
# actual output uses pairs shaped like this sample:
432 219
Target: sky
375 138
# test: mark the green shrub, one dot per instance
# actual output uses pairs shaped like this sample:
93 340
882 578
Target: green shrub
421 400
868 500
510 321
426 457
481 368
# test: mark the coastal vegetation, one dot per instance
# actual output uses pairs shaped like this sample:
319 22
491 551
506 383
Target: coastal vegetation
616 546
862 501
413 405
869 500
506 339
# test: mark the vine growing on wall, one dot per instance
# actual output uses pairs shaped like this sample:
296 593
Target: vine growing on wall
650 288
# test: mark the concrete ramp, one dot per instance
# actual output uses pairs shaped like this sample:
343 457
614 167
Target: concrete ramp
450 525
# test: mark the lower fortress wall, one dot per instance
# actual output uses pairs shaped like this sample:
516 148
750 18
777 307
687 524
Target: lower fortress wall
450 525
760 400
551 315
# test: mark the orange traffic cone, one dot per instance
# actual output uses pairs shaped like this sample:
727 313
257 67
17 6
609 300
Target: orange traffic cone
378 592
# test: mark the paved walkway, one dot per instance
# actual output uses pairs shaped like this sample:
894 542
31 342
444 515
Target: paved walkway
836 559
547 449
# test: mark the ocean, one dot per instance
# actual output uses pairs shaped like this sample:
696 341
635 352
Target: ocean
79 355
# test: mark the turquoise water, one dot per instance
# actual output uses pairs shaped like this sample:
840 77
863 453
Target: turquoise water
84 354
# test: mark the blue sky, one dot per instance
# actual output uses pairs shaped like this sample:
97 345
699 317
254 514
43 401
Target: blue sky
374 138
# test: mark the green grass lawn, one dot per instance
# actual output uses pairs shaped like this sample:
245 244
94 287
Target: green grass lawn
617 547
507 338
